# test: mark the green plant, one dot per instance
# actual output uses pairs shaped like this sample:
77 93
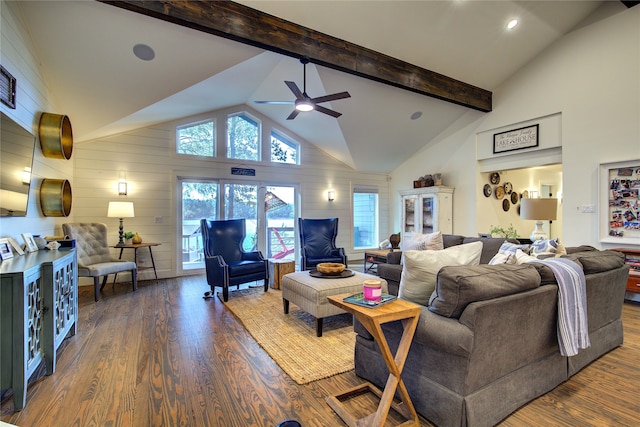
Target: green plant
498 231
129 234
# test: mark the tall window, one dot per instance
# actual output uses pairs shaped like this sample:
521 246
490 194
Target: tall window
283 150
243 137
199 200
365 217
196 139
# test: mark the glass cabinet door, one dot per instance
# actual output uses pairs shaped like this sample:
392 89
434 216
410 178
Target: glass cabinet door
427 214
409 214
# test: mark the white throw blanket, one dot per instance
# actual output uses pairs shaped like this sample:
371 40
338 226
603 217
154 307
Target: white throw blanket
573 328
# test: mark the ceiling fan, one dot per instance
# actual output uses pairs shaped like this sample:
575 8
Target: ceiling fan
303 101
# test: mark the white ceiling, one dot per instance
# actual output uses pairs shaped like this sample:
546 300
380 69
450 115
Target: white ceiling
85 50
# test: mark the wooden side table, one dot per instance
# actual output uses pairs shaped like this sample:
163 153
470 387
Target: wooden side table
375 257
135 247
372 319
277 269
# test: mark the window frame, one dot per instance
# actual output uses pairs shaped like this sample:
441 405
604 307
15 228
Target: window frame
248 117
193 124
366 189
283 138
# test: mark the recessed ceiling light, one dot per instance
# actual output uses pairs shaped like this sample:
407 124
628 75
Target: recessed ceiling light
144 52
512 24
416 115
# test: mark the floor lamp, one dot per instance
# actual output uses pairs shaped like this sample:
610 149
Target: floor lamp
120 210
538 210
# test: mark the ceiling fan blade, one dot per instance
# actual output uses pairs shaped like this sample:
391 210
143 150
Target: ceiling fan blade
333 97
294 88
327 111
293 115
275 102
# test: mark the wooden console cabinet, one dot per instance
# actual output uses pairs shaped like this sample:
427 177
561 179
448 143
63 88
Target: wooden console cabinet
426 210
632 258
38 309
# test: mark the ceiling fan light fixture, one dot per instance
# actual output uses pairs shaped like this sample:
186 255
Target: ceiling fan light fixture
303 105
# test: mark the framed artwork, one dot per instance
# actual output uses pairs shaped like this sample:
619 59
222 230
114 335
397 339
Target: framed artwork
30 242
16 246
619 204
516 139
5 249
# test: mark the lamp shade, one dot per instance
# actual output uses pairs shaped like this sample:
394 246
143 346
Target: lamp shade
539 209
120 210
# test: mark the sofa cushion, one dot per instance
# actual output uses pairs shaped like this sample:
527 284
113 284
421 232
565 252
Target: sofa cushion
420 269
458 286
420 242
452 240
597 261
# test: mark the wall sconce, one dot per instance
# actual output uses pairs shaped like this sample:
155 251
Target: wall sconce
331 195
122 184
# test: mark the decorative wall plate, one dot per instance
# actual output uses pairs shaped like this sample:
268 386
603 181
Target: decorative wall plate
487 190
505 205
525 194
508 187
499 192
514 197
494 178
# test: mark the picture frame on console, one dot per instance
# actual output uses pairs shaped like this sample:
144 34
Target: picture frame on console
30 242
5 249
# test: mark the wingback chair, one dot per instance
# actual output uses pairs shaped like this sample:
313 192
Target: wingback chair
226 263
94 254
318 242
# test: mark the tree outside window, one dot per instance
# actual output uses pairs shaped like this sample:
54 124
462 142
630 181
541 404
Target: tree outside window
243 137
283 150
365 217
196 139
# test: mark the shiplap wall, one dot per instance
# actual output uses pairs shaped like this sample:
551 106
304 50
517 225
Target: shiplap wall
148 158
32 98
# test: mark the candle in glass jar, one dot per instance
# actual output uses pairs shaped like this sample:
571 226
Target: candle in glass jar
372 290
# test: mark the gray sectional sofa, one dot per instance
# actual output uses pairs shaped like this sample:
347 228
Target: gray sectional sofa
476 361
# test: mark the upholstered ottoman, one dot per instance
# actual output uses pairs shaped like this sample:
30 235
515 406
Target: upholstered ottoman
310 293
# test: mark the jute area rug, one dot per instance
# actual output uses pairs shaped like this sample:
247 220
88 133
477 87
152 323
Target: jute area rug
290 339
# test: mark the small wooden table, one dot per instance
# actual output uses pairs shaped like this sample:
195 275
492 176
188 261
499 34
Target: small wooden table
372 319
375 257
135 247
277 269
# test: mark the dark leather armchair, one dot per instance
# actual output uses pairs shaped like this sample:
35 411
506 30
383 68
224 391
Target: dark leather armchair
226 263
318 242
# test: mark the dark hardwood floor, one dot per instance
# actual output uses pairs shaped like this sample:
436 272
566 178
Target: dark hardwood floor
164 356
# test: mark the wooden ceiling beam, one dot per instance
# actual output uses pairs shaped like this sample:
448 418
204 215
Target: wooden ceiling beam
250 26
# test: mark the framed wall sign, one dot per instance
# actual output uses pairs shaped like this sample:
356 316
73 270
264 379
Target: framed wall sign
620 202
516 139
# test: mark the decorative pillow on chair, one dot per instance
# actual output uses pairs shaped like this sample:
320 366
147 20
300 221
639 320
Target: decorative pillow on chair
522 257
421 242
420 269
547 249
507 253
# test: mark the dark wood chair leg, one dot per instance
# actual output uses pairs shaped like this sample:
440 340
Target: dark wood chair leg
96 288
225 293
319 327
266 285
104 281
134 280
285 305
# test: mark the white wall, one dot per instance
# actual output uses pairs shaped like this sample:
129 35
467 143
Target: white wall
148 157
32 98
590 77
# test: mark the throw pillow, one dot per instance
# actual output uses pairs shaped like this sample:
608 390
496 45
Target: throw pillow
420 269
522 257
507 253
420 242
547 248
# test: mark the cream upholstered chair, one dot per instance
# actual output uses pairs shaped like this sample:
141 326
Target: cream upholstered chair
94 255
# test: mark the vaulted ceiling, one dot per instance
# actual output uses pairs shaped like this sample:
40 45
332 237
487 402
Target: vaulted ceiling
85 49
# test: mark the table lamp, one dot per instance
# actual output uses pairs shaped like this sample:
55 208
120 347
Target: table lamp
120 210
538 210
